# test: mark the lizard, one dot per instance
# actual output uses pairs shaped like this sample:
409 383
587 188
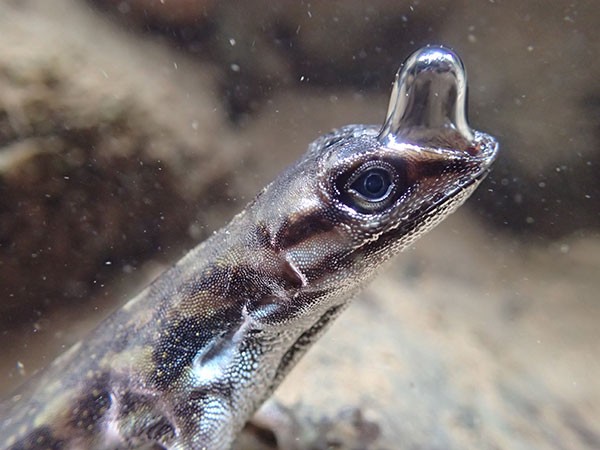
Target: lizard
187 361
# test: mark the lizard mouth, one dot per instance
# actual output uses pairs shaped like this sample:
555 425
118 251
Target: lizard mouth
429 215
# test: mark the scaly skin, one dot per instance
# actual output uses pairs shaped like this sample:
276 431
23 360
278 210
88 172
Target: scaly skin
187 362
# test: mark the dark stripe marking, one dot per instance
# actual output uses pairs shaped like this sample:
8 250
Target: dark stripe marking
302 228
91 407
184 338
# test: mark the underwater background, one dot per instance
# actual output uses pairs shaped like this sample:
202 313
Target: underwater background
130 130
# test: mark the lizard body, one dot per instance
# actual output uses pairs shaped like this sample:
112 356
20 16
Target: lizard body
186 362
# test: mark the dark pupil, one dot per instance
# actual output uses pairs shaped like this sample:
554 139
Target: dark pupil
373 185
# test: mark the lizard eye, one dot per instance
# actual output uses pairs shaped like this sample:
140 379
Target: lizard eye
371 187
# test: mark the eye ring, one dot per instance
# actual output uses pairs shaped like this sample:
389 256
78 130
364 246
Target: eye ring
371 187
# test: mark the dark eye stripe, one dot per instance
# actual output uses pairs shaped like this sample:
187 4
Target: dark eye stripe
302 228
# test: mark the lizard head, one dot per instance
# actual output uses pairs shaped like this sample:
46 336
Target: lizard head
362 193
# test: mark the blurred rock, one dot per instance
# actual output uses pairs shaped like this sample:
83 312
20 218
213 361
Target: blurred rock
177 13
263 46
96 172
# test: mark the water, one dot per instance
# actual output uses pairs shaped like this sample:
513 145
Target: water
126 137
